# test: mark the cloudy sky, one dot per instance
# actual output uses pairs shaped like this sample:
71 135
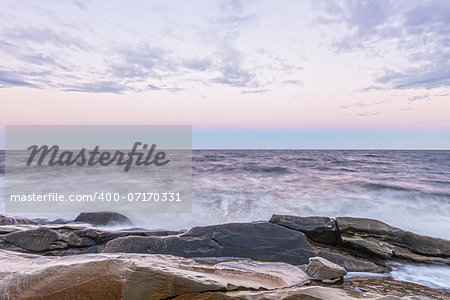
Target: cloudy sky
244 74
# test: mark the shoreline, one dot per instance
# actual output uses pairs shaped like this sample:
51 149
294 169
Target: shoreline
356 245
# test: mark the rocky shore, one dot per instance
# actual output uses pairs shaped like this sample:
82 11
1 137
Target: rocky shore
287 257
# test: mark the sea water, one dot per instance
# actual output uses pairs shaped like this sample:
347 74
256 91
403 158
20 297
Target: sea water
407 189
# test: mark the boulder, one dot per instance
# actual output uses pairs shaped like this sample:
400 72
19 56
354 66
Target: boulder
103 219
370 229
321 269
12 220
318 229
260 241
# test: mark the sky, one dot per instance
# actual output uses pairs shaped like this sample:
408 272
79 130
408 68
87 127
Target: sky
244 74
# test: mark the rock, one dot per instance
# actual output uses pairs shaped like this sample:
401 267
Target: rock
131 276
103 218
319 229
364 245
11 220
64 239
296 293
60 221
147 276
260 241
41 221
403 253
374 229
321 269
388 286
352 264
292 293
375 247
352 226
46 239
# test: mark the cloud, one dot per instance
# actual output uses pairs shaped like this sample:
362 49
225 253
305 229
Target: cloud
98 87
292 82
142 61
257 91
419 97
80 4
363 104
38 36
363 18
153 87
198 64
419 30
163 87
11 79
431 74
232 72
367 114
75 54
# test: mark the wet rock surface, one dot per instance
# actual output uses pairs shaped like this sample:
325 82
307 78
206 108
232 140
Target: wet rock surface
356 244
126 261
319 229
64 239
261 241
103 219
149 276
394 288
382 239
133 276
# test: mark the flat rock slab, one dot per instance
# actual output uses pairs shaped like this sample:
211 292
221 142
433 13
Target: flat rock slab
147 276
369 228
296 293
260 241
63 239
133 276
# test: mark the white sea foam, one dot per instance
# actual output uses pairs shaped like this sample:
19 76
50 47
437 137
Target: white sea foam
434 276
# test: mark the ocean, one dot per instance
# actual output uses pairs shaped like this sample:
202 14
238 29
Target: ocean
406 189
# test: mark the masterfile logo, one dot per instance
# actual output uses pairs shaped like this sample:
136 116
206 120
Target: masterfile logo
97 168
53 156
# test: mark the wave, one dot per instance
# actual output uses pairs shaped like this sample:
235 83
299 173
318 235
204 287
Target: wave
263 169
383 186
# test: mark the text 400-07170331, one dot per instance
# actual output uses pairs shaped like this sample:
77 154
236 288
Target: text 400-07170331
142 197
